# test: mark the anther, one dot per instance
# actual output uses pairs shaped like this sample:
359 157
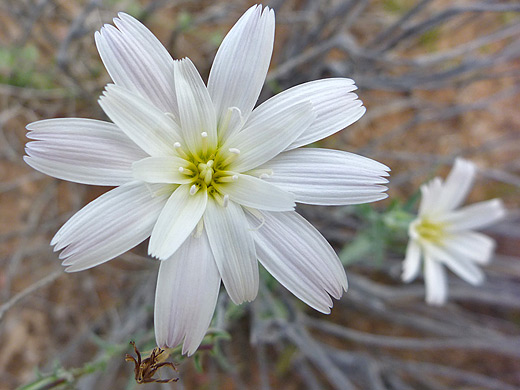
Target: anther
193 189
180 151
185 171
264 176
204 137
226 201
232 157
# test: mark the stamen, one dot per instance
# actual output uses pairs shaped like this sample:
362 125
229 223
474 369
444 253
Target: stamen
185 171
170 115
261 173
226 200
194 189
227 179
232 157
258 215
204 136
180 151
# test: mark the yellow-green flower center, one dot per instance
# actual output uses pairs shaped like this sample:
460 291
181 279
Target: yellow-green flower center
430 231
208 169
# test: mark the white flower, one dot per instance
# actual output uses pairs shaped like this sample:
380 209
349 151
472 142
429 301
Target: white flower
212 181
442 235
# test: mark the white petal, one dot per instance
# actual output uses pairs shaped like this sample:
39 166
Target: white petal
475 216
241 63
267 136
187 290
436 283
234 250
457 185
412 262
82 150
108 226
179 217
335 104
430 193
150 128
461 266
328 177
298 256
137 61
196 111
160 170
252 192
472 245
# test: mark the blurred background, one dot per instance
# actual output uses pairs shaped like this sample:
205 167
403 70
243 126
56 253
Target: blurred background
439 78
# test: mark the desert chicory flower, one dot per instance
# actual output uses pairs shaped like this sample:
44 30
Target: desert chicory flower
444 236
212 181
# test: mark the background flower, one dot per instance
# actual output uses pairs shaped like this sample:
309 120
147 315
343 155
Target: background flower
442 235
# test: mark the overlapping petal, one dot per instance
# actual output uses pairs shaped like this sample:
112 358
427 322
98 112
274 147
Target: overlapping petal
241 63
269 135
457 185
328 177
462 267
196 111
333 101
160 170
253 192
471 245
412 262
137 61
108 226
298 256
435 281
81 150
234 250
475 216
150 128
430 192
181 213
187 290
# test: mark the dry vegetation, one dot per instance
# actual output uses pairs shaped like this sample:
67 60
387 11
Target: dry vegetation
439 78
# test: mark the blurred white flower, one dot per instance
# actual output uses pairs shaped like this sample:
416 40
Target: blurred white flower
444 236
212 181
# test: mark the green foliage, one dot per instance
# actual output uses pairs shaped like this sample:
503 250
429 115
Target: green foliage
64 379
285 359
18 67
380 231
184 21
430 38
397 6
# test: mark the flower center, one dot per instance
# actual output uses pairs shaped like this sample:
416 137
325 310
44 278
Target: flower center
430 231
208 169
